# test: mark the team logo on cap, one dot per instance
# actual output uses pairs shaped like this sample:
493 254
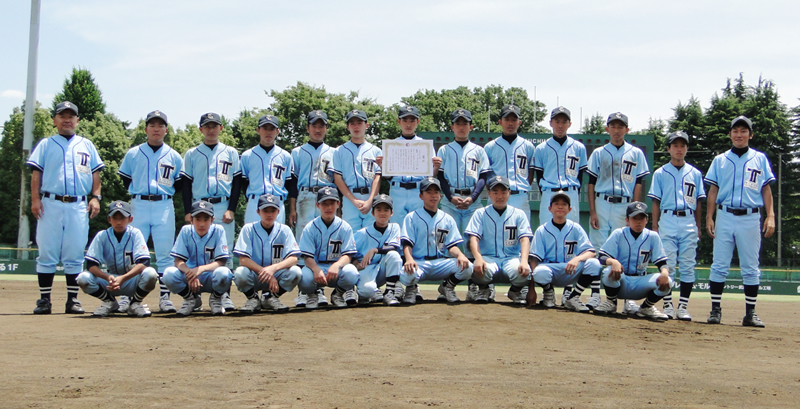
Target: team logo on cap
118 205
270 199
560 109
326 191
201 205
67 104
210 116
319 112
618 115
355 112
156 113
461 112
640 206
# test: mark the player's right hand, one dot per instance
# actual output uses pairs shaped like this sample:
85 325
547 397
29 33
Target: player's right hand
319 278
479 267
333 272
36 208
710 227
292 219
266 274
194 285
410 266
594 221
616 270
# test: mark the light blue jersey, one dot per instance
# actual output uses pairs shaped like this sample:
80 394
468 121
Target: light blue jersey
634 253
267 172
311 165
119 256
617 169
368 238
151 173
356 164
266 249
430 237
327 244
198 251
560 164
499 235
512 161
740 179
554 245
677 189
211 171
463 166
66 165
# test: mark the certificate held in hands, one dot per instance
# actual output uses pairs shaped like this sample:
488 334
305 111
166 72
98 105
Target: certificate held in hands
407 158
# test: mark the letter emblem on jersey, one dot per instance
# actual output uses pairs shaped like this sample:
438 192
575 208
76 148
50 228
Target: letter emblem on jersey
522 165
627 170
209 254
569 249
322 169
572 165
277 251
644 260
751 178
688 193
128 260
510 238
368 168
472 167
83 163
441 236
224 170
277 175
334 250
165 174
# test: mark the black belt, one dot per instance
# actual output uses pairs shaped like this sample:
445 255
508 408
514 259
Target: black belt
215 200
679 213
152 198
314 189
432 257
463 192
739 212
515 192
362 190
257 196
65 199
409 185
613 199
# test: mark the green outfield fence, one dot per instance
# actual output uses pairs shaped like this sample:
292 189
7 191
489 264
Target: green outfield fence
778 281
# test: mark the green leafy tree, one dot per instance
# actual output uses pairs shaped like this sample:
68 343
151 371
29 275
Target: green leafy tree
594 125
494 97
81 89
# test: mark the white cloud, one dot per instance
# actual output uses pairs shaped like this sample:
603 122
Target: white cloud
12 93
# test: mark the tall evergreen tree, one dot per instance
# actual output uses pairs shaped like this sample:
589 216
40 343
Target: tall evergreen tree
81 89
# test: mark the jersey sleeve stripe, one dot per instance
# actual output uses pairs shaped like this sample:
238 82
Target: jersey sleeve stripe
537 168
701 197
589 171
606 254
35 165
142 258
455 243
241 253
644 173
307 254
99 167
90 258
292 253
184 174
660 260
589 249
536 256
710 182
124 174
766 182
653 196
349 252
180 256
528 235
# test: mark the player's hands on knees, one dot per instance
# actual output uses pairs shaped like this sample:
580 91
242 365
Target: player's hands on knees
769 226
710 228
36 208
410 266
572 266
333 273
266 274
93 208
663 281
319 277
594 221
616 270
194 285
524 269
227 217
462 262
532 297
192 274
479 267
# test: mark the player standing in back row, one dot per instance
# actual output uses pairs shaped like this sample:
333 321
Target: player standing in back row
739 180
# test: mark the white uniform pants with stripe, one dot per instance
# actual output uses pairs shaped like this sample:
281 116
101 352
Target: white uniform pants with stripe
247 279
353 216
744 233
61 234
520 201
405 201
501 271
306 211
436 270
146 281
157 219
217 281
634 287
374 276
555 273
679 236
347 278
611 216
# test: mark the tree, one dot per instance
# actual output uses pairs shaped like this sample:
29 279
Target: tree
81 90
594 125
494 97
657 128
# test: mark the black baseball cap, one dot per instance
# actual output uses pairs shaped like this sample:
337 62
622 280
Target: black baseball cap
742 118
561 111
561 195
119 206
268 119
63 106
510 109
317 115
428 182
460 113
635 209
268 200
156 115
498 180
383 198
210 117
356 113
201 206
408 110
677 135
326 193
617 116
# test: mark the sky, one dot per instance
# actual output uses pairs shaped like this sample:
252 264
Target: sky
186 58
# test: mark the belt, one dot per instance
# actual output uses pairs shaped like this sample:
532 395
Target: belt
739 212
431 257
152 198
215 200
313 189
515 192
363 190
463 192
409 185
613 199
251 197
562 189
679 213
65 199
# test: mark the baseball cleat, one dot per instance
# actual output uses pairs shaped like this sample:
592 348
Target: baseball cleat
517 297
351 297
492 293
187 307
715 317
337 298
575 304
606 307
198 303
106 308
630 308
124 302
549 298
752 320
651 313
594 301
410 295
274 304
390 299
417 294
312 301
165 305
136 309
564 297
683 314
300 300
251 305
449 293
669 310
215 302
377 297
73 306
472 293
482 295
228 303
42 307
321 298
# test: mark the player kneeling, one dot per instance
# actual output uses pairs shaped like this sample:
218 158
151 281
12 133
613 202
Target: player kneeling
123 249
267 255
500 239
327 246
200 252
429 237
562 255
627 252
378 249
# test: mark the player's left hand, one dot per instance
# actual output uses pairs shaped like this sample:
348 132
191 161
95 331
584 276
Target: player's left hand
292 220
437 163
266 274
227 217
466 202
94 207
194 285
663 282
462 262
366 206
333 273
479 267
113 285
769 226
368 258
572 266
524 269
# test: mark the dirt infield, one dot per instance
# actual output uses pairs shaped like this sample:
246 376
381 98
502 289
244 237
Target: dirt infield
480 356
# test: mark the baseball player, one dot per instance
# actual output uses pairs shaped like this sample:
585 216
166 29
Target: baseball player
328 247
430 240
511 156
561 254
123 249
739 182
311 163
268 259
500 239
627 252
267 169
616 173
354 171
378 255
151 173
211 173
200 253
65 186
676 191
